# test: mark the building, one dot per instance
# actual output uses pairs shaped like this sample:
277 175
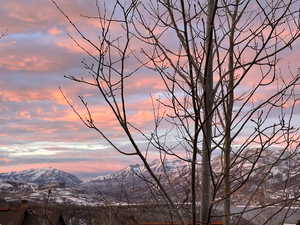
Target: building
23 215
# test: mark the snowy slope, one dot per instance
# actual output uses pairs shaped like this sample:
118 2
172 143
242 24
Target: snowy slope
43 176
159 168
130 184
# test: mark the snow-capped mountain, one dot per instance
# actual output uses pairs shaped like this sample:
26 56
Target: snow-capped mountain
43 176
135 179
157 166
278 171
47 184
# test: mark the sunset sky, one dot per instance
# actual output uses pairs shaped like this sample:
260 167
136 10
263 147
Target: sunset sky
38 129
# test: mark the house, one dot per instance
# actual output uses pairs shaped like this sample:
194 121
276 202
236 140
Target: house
3 204
22 215
11 216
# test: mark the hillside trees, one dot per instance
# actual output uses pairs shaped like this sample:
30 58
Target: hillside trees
224 87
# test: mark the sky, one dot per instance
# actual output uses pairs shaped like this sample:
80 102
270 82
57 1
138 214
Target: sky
38 128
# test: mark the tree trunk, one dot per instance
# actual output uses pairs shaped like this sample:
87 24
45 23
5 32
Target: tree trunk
228 120
207 130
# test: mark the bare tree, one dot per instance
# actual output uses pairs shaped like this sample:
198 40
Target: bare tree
266 41
216 49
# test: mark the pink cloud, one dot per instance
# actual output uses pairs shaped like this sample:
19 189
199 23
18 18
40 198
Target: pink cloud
39 56
28 63
20 16
145 81
5 160
72 167
72 47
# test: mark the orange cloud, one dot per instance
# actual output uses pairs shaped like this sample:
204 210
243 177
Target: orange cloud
27 95
40 94
141 117
54 31
24 115
101 115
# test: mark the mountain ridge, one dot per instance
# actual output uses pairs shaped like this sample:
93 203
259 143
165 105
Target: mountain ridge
41 176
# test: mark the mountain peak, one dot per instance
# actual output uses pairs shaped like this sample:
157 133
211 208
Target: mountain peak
41 176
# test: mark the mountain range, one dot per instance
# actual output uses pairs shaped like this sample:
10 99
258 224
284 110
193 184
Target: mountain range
278 171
